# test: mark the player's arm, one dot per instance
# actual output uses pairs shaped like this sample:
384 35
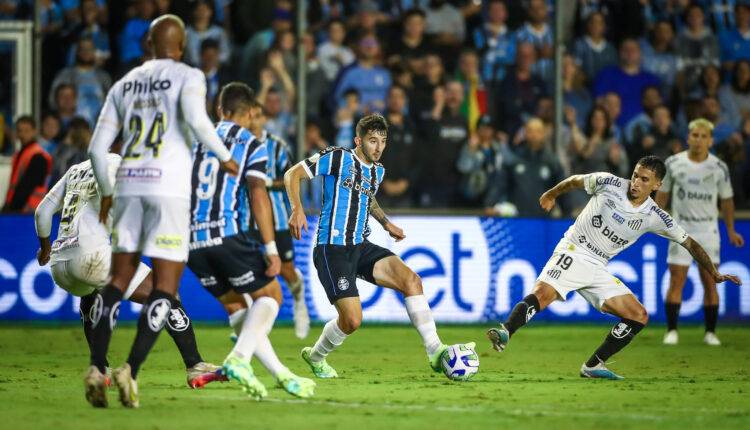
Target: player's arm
704 261
107 128
51 204
727 212
292 178
379 214
263 214
547 200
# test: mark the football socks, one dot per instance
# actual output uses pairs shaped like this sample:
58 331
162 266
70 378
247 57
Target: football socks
710 315
673 313
618 338
421 318
257 323
104 314
329 339
522 313
180 328
153 317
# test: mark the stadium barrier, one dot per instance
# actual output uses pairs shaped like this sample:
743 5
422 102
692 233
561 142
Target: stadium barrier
473 270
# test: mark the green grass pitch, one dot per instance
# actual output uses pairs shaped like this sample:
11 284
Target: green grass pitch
386 383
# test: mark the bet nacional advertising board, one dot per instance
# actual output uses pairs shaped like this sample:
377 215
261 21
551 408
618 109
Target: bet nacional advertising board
473 269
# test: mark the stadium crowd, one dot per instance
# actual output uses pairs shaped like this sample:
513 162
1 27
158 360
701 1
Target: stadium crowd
467 86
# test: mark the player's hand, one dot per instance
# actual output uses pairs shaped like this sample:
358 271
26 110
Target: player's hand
42 255
719 278
297 222
104 206
736 239
394 231
274 265
230 166
547 201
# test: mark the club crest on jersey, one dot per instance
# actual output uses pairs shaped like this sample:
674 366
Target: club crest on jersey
621 330
617 217
343 284
178 320
596 221
635 224
156 314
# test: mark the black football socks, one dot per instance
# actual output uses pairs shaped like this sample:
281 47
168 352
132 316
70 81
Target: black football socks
711 315
180 328
618 338
673 313
522 313
153 317
103 316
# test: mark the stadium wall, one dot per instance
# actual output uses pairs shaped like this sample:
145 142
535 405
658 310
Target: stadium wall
473 269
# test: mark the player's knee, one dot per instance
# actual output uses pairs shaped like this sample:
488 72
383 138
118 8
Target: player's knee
350 323
412 284
545 294
639 314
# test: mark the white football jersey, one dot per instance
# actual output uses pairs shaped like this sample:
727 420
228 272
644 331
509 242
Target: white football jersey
610 223
80 228
157 141
695 189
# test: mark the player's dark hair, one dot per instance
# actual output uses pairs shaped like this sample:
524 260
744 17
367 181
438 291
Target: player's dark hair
28 119
371 123
654 164
236 97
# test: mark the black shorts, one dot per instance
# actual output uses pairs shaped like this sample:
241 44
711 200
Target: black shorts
237 264
339 266
284 243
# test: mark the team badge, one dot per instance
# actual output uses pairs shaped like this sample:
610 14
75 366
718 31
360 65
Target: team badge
156 314
178 320
620 330
343 284
635 224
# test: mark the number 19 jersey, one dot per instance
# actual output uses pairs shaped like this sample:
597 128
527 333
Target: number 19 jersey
157 142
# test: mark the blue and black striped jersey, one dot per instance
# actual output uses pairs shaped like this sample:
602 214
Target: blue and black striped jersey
219 204
279 161
349 184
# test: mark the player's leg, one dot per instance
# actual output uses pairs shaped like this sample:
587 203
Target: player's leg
293 278
710 308
673 300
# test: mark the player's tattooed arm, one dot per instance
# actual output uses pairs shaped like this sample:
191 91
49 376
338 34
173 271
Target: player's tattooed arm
704 261
379 214
547 200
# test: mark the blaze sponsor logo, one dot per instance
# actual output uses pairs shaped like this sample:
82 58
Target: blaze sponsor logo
614 238
596 221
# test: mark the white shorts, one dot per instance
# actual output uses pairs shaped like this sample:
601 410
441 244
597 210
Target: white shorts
83 274
567 271
154 226
680 256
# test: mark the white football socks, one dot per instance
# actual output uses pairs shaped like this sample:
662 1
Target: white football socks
421 318
329 339
236 319
264 350
297 287
257 323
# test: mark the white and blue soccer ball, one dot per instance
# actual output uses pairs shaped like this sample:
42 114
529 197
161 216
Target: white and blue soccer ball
460 362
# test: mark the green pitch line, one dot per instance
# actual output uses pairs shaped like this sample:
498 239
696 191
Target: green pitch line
385 382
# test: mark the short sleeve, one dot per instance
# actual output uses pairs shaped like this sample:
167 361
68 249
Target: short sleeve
255 165
594 183
320 163
665 226
725 182
666 182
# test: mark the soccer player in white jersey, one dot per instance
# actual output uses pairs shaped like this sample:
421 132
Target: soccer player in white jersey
80 261
618 213
158 105
696 179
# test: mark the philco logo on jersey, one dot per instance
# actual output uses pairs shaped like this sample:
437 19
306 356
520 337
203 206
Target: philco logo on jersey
663 215
149 86
610 234
609 180
617 217
635 224
596 221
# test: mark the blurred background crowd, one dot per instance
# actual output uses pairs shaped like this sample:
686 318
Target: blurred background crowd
467 86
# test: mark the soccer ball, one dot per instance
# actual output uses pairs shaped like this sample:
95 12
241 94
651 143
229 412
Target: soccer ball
460 362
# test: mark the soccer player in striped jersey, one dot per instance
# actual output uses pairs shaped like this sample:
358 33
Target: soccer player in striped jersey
279 161
228 262
342 252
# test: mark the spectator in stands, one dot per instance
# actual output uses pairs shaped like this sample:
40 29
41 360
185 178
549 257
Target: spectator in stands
312 190
255 48
650 100
72 149
74 13
475 93
627 80
91 82
412 44
734 43
424 88
367 20
280 121
333 54
659 55
201 28
135 28
594 148
396 190
317 83
516 97
66 102
481 161
613 105
722 127
539 33
7 146
445 24
346 116
530 172
276 76
697 47
575 93
447 134
89 29
495 43
739 90
593 51
711 86
30 172
216 74
51 15
660 139
366 76
735 151
49 137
